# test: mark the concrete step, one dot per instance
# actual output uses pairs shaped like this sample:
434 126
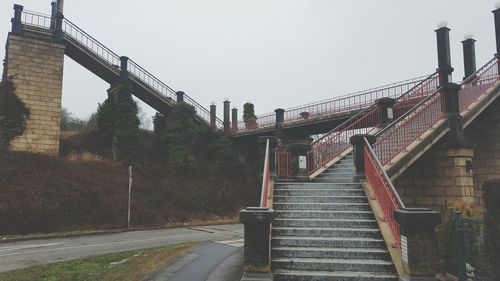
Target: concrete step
317 185
344 223
330 253
312 264
307 214
332 180
320 199
297 275
328 242
326 232
322 206
354 191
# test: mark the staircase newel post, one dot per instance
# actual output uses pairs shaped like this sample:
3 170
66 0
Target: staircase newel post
419 251
180 96
123 68
456 136
227 123
358 144
257 239
385 111
444 55
469 46
279 120
234 120
496 14
17 25
213 115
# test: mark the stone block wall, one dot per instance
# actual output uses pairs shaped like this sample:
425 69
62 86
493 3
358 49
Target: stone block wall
439 178
484 133
36 68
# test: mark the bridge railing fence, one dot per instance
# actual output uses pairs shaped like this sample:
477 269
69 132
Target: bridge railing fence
384 191
76 34
338 105
396 137
335 142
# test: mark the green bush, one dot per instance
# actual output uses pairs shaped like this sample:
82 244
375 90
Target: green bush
249 116
13 113
491 197
118 124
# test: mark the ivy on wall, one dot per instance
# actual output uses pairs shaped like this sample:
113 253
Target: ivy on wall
13 113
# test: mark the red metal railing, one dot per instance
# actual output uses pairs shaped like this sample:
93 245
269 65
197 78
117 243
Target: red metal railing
337 142
326 108
478 83
395 138
384 191
283 162
334 143
266 179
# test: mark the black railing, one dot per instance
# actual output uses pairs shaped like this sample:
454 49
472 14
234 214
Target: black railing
73 33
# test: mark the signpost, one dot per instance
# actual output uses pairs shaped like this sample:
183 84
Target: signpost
129 193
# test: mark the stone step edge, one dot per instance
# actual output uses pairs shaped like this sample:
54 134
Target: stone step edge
333 249
351 239
329 229
335 273
334 261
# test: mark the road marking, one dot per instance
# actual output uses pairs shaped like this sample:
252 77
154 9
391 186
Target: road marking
233 243
3 249
109 243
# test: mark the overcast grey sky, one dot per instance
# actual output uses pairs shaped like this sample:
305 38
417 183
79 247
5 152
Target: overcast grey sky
274 53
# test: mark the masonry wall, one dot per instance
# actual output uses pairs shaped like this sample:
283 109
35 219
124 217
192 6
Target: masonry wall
484 133
36 68
438 179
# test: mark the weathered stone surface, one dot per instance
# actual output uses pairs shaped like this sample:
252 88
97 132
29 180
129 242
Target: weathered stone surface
36 68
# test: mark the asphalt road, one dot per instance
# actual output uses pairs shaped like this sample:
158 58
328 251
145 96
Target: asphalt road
14 255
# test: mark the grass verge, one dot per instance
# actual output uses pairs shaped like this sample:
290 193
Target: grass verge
127 266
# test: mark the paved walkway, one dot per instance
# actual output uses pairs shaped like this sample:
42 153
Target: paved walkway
211 261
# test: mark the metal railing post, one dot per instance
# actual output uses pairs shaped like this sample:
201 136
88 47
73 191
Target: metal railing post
358 143
17 25
227 124
123 68
53 15
234 120
213 115
58 31
444 55
469 46
180 96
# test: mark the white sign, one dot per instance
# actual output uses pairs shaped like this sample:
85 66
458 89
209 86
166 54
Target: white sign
302 162
390 113
404 248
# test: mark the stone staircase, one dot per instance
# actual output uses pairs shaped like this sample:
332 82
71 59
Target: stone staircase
326 230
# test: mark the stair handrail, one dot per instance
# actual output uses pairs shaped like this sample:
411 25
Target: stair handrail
353 101
387 148
73 32
383 189
266 179
369 115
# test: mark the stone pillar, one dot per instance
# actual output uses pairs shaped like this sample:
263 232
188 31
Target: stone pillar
234 120
123 68
299 160
279 120
36 68
469 46
273 142
16 20
257 248
385 111
213 115
227 124
358 144
180 96
419 251
444 55
452 108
